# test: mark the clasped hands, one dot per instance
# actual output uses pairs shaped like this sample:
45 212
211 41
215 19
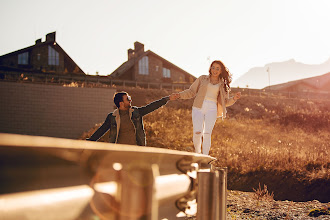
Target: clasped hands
174 96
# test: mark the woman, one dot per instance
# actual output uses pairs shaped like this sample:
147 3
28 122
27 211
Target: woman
211 95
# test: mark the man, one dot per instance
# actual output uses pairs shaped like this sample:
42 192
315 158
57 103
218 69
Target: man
125 123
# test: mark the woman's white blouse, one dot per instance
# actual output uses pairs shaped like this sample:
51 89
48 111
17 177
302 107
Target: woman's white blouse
212 92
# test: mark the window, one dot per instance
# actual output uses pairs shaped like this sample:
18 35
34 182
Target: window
23 58
143 66
166 73
53 57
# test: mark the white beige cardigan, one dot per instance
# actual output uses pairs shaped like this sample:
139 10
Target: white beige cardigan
198 90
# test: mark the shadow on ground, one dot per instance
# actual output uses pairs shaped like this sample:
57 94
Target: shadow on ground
285 185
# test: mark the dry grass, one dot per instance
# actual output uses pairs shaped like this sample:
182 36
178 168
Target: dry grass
260 134
246 144
263 194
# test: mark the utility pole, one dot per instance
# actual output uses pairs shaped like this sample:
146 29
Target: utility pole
268 77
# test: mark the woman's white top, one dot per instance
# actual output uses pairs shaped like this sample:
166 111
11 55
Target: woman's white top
212 92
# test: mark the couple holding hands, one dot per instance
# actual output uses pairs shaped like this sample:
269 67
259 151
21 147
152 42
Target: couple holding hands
211 97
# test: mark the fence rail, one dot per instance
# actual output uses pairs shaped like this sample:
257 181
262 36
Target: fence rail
105 81
72 179
308 95
89 80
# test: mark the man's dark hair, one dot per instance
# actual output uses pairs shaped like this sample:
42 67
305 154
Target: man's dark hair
118 97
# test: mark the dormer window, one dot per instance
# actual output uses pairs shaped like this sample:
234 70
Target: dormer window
144 66
53 57
23 58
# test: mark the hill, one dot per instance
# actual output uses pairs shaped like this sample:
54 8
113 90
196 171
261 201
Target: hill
317 83
280 72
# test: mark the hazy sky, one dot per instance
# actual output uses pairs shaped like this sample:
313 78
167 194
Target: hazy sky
189 33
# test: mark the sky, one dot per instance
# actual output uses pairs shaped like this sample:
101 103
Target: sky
189 33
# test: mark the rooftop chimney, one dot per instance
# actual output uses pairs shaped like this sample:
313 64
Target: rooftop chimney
51 37
130 53
38 41
138 48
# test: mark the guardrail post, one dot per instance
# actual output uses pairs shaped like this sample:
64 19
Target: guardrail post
222 181
204 195
212 195
215 214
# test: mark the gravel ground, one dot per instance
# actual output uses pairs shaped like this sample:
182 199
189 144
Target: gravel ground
244 205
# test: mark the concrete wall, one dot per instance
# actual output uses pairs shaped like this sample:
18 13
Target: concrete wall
52 110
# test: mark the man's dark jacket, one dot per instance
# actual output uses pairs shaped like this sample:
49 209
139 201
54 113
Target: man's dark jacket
137 114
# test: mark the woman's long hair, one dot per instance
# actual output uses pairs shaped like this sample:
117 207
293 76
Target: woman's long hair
225 75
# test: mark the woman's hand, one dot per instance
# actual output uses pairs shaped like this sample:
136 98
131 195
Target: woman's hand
237 96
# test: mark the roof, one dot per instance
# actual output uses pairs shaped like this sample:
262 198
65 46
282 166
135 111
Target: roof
28 48
41 44
123 68
130 63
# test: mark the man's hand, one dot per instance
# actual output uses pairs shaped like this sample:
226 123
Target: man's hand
237 96
174 96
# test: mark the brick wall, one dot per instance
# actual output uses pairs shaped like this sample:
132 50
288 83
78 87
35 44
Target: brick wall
51 110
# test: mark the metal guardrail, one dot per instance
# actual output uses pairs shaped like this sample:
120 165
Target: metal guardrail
52 178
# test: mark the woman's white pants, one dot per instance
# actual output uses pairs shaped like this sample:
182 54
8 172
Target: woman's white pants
203 122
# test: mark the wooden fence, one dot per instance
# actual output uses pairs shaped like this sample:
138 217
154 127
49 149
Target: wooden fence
105 81
90 81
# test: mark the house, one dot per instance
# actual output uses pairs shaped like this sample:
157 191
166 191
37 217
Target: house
147 66
312 84
43 57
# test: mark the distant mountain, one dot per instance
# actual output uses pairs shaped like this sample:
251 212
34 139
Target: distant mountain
280 72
